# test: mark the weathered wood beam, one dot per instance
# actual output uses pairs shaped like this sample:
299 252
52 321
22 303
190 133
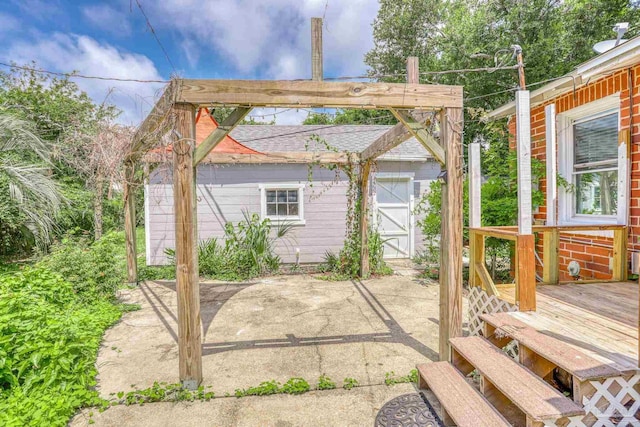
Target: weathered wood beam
365 170
306 93
391 138
550 257
316 49
523 149
274 157
620 263
129 197
187 289
418 130
526 272
451 231
227 125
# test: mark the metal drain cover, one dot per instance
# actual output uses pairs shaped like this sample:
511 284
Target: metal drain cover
408 410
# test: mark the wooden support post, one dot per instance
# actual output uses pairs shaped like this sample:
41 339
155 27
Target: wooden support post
475 212
413 70
523 148
451 234
129 197
525 272
620 269
187 287
365 170
476 256
552 171
316 49
550 253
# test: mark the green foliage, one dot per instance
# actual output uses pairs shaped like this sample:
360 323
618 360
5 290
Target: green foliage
49 337
390 378
295 386
248 250
325 383
350 383
265 388
161 392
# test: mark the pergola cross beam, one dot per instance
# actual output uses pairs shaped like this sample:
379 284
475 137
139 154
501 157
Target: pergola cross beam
227 125
419 131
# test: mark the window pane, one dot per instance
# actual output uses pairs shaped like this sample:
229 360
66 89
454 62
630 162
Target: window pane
282 196
293 209
292 196
271 196
596 140
282 209
597 193
392 191
271 209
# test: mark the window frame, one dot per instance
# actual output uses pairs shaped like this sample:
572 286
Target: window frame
293 220
567 209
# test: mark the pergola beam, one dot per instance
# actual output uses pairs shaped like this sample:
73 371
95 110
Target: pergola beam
305 93
418 130
227 125
273 157
391 138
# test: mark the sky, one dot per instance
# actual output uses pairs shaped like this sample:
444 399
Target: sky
216 39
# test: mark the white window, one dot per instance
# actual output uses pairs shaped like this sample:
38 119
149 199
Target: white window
592 164
282 202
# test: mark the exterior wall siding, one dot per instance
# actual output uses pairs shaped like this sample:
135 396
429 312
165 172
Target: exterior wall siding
225 191
593 252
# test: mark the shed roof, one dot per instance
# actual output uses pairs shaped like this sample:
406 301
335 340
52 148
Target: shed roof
353 138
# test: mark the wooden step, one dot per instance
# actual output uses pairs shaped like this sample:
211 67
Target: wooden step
504 381
553 350
461 403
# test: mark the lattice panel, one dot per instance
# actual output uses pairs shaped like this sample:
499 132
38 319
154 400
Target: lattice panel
480 303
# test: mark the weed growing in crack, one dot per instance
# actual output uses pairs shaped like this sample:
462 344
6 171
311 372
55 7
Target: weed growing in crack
390 378
350 383
325 383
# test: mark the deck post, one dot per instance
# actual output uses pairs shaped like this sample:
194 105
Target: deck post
475 211
620 237
365 169
187 288
129 197
451 234
525 244
550 253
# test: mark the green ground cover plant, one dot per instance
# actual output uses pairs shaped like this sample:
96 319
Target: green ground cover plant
49 337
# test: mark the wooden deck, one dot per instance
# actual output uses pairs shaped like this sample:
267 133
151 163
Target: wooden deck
601 319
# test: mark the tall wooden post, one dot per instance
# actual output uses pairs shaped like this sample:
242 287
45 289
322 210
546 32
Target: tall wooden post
451 235
316 49
475 211
130 222
525 246
187 287
365 170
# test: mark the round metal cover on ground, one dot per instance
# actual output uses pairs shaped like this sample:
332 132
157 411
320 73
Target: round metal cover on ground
408 410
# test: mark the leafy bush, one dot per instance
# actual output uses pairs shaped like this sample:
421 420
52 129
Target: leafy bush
248 250
346 264
49 337
95 269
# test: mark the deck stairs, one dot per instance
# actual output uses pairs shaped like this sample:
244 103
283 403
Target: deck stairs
523 391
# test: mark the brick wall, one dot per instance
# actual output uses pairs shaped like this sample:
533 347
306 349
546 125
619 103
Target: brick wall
593 253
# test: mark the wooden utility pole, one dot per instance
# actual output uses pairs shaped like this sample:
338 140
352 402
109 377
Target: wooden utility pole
451 234
316 49
525 245
129 197
187 286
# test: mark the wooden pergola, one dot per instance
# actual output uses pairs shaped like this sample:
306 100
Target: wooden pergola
411 103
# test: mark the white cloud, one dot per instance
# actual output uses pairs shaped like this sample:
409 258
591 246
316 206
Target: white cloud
8 23
61 52
272 37
106 18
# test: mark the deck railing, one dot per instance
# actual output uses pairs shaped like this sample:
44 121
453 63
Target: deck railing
525 265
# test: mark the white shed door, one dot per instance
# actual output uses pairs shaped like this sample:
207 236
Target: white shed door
393 201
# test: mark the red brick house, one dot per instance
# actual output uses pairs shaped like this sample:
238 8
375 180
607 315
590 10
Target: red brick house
585 127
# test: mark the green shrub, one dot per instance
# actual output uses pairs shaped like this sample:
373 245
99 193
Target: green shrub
346 264
295 386
248 250
49 338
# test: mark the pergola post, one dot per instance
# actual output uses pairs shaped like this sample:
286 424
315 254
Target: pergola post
476 242
365 171
451 234
185 210
129 197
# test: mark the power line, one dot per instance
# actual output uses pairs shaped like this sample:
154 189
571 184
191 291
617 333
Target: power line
153 31
80 76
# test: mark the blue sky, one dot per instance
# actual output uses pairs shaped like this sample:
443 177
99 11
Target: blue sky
245 39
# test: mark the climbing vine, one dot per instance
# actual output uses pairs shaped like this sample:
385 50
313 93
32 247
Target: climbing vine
346 263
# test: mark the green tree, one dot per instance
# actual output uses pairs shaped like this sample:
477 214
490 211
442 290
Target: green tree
29 197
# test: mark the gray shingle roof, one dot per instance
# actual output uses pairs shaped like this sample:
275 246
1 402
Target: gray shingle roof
272 138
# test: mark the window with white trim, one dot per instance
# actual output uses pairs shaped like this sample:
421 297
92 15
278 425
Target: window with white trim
282 202
592 163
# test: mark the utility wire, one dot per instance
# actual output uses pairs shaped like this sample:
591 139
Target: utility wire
153 31
79 76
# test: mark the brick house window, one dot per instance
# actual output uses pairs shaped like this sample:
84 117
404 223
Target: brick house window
282 202
591 163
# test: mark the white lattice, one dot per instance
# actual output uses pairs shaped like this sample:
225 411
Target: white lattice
480 303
